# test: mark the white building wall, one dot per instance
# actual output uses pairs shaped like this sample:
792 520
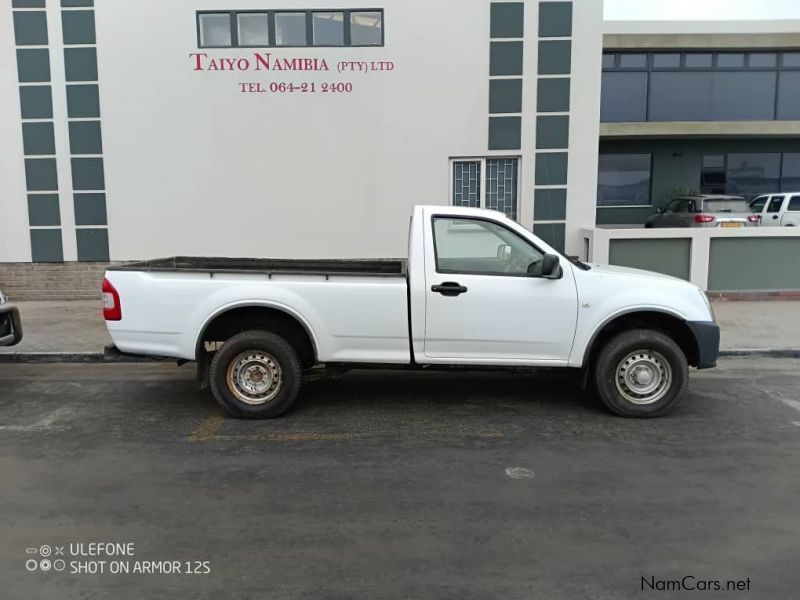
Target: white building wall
194 166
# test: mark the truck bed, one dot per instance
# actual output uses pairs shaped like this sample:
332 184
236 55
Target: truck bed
368 267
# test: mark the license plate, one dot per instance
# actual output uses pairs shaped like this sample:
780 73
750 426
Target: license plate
732 224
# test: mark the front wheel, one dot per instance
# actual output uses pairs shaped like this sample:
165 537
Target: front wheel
255 375
641 373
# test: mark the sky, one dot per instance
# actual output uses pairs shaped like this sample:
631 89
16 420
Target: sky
701 9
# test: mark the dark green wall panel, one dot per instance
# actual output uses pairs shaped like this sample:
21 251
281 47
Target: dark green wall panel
507 20
85 138
555 19
30 28
87 174
90 209
551 168
754 264
505 96
551 233
78 26
552 94
552 132
43 210
555 57
550 205
505 58
668 256
92 244
33 65
38 138
46 245
505 133
36 101
41 174
80 64
83 101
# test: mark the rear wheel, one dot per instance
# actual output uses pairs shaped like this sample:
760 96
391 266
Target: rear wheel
641 373
255 375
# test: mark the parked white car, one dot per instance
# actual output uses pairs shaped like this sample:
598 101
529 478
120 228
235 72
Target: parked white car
477 290
10 323
778 210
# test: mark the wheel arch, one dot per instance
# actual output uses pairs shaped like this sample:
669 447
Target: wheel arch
230 320
671 324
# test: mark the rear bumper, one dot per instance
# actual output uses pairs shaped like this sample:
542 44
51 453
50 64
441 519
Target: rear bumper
10 325
706 336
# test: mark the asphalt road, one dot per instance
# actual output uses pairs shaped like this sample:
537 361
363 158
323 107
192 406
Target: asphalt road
394 485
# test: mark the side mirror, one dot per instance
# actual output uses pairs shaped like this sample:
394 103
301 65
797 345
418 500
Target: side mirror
548 267
660 210
503 253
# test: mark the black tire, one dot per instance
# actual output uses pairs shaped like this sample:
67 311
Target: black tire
268 350
644 349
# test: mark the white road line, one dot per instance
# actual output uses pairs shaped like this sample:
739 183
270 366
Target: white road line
519 473
797 423
43 424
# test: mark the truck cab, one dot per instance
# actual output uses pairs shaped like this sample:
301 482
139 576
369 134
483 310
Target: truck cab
778 210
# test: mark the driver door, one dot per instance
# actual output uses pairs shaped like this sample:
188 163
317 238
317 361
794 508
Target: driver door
483 306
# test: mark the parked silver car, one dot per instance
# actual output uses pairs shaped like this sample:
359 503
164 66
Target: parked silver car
705 211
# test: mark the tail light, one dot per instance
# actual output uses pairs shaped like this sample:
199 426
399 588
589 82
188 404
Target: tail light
112 309
754 218
704 218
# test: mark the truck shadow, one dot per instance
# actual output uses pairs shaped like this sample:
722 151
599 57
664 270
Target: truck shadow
505 391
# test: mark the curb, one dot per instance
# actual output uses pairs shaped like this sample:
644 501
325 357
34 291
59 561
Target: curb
73 357
764 352
110 358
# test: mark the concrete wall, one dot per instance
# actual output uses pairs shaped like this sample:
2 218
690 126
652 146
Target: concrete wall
671 257
754 264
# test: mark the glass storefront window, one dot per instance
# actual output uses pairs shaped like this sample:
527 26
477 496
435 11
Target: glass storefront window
623 180
790 174
752 174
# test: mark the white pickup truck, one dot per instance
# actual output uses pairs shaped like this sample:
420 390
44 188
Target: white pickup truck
477 290
778 210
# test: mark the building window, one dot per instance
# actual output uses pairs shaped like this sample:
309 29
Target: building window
328 28
366 28
253 29
700 86
287 28
790 172
496 189
624 180
214 30
712 174
290 29
751 174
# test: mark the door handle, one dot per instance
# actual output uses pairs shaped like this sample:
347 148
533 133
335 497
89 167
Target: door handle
449 288
774 216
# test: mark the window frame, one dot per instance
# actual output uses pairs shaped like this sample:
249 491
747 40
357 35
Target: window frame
234 25
482 196
484 273
650 182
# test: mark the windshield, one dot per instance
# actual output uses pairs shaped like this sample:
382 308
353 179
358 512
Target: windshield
726 206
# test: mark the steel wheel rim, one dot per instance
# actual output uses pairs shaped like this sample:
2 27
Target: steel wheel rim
643 377
254 377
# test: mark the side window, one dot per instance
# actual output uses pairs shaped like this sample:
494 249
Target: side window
481 247
794 204
775 204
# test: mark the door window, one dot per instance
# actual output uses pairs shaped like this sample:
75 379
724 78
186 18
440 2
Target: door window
794 204
775 204
757 205
482 247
